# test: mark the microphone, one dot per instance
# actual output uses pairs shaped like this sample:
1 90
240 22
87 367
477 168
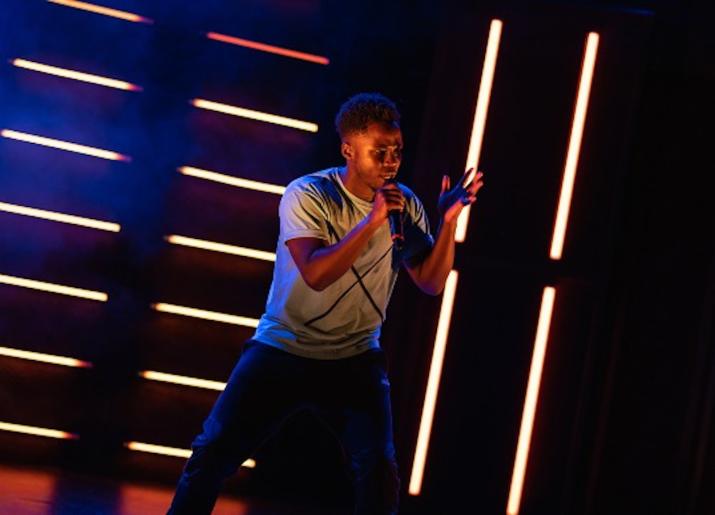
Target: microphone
396 230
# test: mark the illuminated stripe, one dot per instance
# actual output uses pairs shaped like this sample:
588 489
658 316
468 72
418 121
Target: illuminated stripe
579 119
232 181
206 315
172 451
53 288
64 145
480 115
59 217
532 397
44 358
75 75
221 247
255 115
435 373
268 48
37 431
106 11
182 380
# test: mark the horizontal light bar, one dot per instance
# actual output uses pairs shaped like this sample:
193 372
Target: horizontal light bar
182 380
75 75
480 115
53 288
206 315
574 149
64 145
435 373
232 181
172 451
255 115
319 59
37 431
221 247
532 397
44 358
59 217
106 11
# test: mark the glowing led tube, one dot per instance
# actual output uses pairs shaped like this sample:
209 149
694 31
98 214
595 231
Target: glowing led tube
64 145
53 288
206 315
106 11
75 75
268 48
172 451
59 217
435 373
44 358
221 247
37 431
254 115
232 181
480 115
532 397
182 380
574 149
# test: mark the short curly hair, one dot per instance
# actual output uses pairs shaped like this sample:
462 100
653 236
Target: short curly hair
358 111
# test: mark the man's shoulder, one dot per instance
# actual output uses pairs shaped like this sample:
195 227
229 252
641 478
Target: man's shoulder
314 181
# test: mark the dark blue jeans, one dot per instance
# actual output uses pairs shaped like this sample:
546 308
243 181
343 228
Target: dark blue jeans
266 387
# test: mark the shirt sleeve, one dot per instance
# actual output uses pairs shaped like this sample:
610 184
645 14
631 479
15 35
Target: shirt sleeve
302 214
418 238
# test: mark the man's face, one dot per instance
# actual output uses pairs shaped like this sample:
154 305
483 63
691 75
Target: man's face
373 156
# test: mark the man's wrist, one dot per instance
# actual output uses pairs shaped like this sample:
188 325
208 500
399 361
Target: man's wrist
373 222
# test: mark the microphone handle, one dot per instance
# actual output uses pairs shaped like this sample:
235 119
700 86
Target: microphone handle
396 229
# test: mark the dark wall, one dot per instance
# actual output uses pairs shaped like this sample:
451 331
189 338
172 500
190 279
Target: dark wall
624 417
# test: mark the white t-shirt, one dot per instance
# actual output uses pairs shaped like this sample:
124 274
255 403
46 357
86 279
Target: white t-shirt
345 318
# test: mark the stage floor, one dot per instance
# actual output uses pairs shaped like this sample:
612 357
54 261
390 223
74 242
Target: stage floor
34 491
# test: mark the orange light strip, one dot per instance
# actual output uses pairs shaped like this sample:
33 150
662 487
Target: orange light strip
75 75
435 373
480 115
44 358
172 451
152 375
206 315
574 149
59 217
106 11
532 397
221 247
254 115
37 431
319 59
232 181
64 145
53 288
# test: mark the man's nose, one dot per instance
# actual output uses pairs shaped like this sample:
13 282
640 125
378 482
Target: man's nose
392 159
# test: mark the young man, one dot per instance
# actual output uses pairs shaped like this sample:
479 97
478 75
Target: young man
317 345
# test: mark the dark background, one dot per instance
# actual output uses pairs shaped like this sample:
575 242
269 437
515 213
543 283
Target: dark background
627 396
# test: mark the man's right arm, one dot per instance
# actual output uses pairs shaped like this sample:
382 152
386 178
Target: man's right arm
321 265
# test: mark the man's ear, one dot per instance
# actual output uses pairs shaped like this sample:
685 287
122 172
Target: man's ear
346 150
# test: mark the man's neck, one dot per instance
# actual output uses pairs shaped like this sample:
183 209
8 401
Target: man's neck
361 191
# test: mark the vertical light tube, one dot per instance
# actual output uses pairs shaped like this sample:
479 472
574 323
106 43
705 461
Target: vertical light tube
480 114
574 148
435 372
532 396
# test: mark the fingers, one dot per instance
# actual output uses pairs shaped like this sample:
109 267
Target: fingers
475 184
445 183
393 197
467 178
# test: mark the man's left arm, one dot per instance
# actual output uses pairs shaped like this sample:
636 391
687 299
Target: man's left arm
431 273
